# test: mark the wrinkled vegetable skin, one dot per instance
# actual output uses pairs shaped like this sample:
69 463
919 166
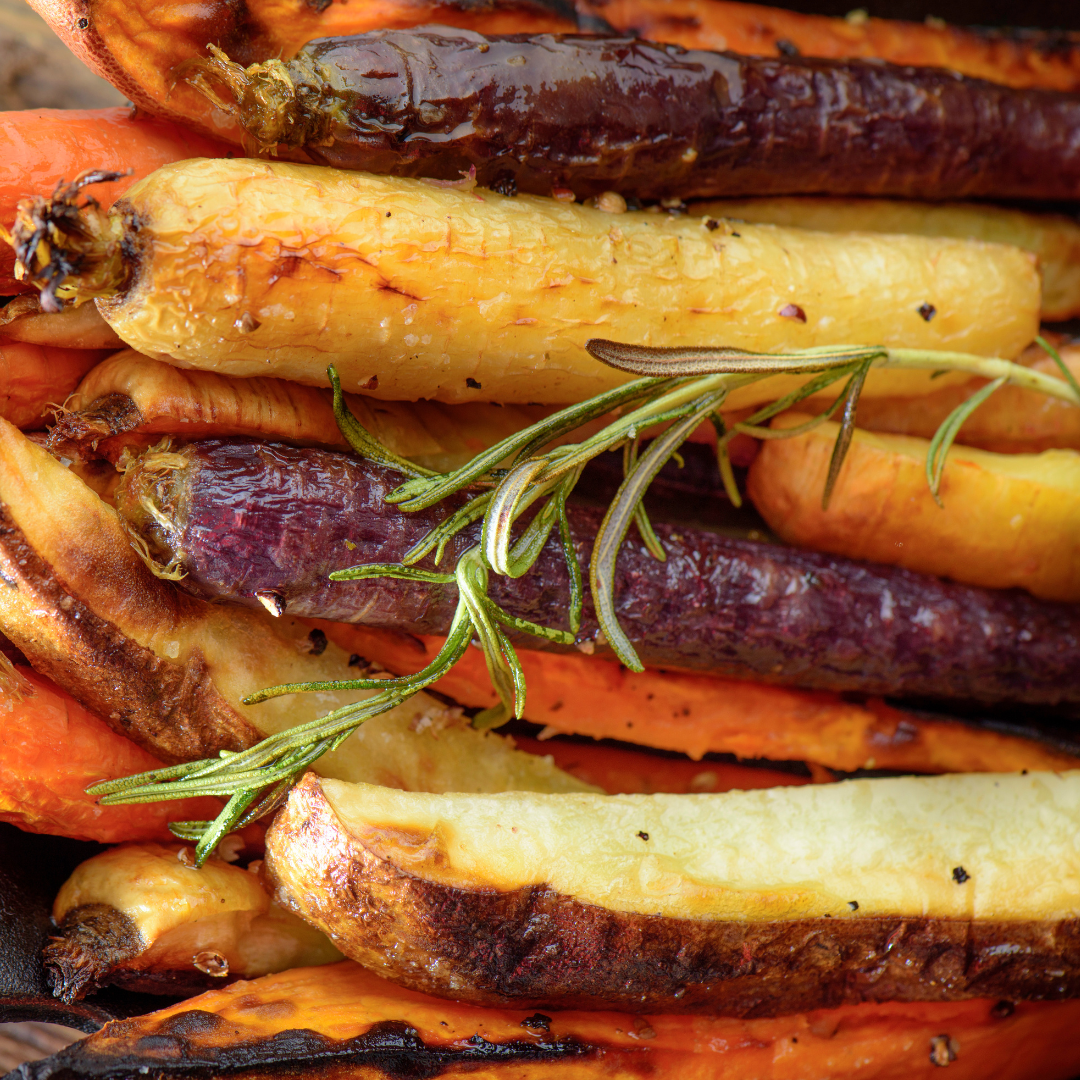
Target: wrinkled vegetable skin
351 1025
239 266
611 113
252 517
380 891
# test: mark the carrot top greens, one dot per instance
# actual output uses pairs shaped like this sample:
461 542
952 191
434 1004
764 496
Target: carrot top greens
677 390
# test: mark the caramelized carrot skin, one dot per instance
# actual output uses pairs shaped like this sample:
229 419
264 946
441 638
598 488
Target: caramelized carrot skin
33 377
345 1013
1049 61
52 749
698 714
40 147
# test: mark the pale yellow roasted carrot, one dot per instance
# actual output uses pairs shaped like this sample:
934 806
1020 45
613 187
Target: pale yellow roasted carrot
418 290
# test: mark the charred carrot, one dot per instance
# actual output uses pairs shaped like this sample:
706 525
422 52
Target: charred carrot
34 378
350 1013
696 714
40 147
593 114
53 750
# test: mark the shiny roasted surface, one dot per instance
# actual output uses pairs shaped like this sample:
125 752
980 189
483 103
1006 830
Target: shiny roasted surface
242 266
746 903
350 1023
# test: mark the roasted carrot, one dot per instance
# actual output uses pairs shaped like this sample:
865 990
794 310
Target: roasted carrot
137 44
697 714
82 327
620 771
420 291
294 1021
39 147
1049 59
1003 520
1054 238
54 748
1012 421
35 377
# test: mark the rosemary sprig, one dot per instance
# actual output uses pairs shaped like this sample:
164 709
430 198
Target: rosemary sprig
677 390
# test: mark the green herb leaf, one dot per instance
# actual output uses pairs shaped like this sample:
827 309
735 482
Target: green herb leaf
946 435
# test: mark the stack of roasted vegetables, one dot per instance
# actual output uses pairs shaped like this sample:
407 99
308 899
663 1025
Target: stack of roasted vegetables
549 538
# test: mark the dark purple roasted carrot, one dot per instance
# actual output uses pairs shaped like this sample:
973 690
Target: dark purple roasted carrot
649 120
266 524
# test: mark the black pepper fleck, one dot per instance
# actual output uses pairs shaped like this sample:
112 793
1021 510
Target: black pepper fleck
853 904
786 47
927 311
960 875
355 660
318 642
712 224
1002 1010
644 836
83 24
792 311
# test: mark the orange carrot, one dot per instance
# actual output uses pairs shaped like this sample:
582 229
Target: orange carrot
765 31
33 377
39 147
698 714
635 772
54 748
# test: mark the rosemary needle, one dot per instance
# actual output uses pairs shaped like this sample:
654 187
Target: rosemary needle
678 389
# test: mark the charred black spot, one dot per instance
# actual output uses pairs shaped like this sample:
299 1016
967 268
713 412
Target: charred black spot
712 224
94 939
786 47
318 6
356 660
537 1022
1002 1010
472 383
193 1022
318 642
77 434
392 1048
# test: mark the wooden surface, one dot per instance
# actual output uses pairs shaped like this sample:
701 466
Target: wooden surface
38 72
28 1042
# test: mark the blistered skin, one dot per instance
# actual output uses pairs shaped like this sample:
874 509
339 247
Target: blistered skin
253 519
600 113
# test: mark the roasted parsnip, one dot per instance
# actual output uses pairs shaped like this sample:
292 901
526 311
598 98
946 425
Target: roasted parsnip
130 401
141 916
1054 238
742 904
415 290
296 1022
1003 520
170 671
